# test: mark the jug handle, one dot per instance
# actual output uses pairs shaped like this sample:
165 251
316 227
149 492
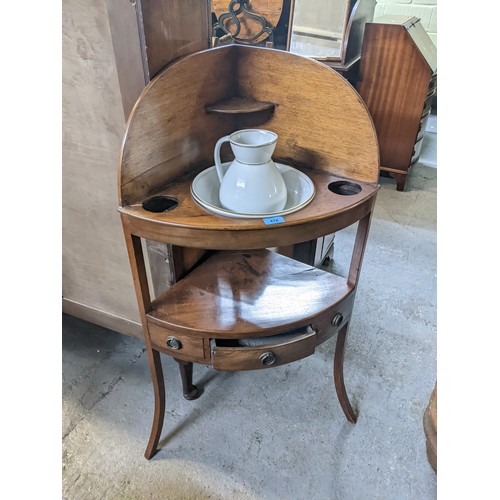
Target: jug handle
218 165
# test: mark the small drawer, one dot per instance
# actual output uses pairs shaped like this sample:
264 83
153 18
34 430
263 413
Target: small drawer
174 344
266 352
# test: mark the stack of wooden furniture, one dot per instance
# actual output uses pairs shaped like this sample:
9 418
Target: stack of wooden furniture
235 304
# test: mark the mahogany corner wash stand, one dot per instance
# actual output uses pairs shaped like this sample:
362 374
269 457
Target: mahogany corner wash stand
235 304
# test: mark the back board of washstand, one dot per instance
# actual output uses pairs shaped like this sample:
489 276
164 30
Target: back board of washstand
320 119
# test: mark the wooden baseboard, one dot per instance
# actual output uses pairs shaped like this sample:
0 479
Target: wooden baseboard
394 170
102 318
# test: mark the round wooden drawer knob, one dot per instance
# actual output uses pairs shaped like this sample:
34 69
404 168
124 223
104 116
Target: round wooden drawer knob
267 359
337 319
174 343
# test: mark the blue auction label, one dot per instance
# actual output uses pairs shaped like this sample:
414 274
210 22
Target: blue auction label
273 220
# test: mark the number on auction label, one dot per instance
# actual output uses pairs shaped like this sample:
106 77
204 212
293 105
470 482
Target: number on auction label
273 220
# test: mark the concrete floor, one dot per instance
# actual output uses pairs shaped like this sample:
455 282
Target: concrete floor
278 433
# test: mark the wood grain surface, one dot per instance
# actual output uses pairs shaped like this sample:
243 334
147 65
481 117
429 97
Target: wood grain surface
249 358
189 345
394 81
322 123
173 29
245 294
192 225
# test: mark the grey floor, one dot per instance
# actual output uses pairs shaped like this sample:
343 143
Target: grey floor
278 433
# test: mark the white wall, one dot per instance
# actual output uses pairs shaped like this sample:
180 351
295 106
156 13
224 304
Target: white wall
426 10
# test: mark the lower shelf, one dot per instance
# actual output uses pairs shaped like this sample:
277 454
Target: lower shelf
249 310
245 294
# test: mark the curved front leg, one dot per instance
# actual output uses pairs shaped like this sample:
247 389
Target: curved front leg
338 375
159 413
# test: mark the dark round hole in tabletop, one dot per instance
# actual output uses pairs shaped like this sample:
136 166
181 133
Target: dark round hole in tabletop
159 204
344 188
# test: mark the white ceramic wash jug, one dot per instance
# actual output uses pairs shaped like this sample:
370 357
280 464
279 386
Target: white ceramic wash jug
252 184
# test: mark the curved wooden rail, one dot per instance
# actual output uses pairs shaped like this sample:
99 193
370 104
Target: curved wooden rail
191 223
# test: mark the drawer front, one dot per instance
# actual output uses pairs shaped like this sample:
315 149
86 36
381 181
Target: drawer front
263 356
334 319
175 344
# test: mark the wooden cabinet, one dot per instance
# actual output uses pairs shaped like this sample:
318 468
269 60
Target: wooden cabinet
398 76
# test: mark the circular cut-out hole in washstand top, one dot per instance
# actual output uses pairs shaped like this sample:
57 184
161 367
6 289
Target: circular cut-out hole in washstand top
344 188
159 204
